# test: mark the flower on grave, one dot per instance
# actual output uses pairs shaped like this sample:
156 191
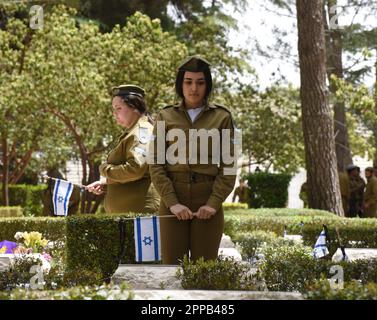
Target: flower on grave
3 250
47 257
32 240
19 235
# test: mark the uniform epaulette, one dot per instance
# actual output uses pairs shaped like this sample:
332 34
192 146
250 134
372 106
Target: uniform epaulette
227 110
222 107
168 106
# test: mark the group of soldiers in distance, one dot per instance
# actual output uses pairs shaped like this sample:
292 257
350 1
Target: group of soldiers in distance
359 198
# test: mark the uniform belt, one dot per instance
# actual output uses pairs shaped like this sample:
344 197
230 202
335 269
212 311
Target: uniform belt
190 177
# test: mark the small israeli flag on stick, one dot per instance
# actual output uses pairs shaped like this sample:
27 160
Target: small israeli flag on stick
320 248
147 239
60 197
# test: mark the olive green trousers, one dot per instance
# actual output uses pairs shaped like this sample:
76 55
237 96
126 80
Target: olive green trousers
195 238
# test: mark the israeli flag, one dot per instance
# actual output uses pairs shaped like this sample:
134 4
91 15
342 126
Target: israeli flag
60 197
147 239
320 248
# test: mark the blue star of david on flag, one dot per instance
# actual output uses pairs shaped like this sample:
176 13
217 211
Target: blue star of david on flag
147 239
60 197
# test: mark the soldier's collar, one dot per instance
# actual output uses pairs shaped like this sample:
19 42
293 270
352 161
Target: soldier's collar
142 118
207 105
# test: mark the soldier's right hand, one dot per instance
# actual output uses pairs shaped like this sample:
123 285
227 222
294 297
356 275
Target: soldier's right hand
95 187
181 212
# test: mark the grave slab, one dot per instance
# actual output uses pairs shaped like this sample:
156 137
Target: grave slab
214 295
355 253
147 276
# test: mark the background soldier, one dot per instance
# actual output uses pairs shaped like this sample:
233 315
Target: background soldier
357 186
344 185
304 194
370 195
242 192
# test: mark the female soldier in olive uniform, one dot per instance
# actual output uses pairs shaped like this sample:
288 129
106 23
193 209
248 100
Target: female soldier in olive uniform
192 192
127 181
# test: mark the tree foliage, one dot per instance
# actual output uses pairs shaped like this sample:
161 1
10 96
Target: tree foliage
271 127
57 82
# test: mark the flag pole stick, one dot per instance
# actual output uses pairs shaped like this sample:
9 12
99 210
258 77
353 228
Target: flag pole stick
146 217
142 217
75 184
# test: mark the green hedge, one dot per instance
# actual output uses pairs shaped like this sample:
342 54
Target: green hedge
352 290
29 197
6 212
234 206
220 274
279 212
93 242
235 224
268 190
52 228
353 233
292 268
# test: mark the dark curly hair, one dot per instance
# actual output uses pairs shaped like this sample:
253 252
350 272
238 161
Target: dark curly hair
179 82
136 102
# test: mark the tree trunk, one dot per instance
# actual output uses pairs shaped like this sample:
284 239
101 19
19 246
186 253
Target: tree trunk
5 174
334 66
375 108
317 122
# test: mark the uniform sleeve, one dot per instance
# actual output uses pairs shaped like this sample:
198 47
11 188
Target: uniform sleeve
224 182
161 181
373 199
134 167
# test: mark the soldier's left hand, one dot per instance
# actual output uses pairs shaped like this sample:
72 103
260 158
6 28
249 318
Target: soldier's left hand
205 212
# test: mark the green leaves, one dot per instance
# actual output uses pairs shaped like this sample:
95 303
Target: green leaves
271 126
54 93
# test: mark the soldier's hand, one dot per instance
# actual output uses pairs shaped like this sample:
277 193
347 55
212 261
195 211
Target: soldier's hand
205 212
181 212
95 187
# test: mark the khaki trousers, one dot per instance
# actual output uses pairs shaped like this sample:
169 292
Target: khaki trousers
195 238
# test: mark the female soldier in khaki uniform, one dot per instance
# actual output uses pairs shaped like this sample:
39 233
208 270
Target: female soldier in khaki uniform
370 195
193 192
127 181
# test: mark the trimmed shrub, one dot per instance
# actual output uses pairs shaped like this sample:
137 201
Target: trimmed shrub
29 197
220 274
235 224
93 243
292 268
103 292
52 229
252 243
6 212
354 233
234 206
280 212
268 190
353 290
18 274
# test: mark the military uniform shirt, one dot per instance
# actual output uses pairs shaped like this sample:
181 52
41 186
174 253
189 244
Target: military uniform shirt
176 117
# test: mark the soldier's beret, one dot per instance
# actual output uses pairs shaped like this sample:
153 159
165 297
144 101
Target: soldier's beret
128 89
350 167
194 64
